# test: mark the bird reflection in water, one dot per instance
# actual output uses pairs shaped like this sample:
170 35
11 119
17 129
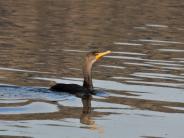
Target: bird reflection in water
86 116
86 111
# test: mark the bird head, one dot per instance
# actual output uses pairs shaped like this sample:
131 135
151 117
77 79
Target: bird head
96 55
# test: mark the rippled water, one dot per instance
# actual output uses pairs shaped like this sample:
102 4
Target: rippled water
44 41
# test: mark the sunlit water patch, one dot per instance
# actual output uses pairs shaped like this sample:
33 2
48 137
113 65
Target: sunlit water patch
140 28
159 76
7 101
75 50
159 41
35 107
179 85
138 64
129 53
171 50
116 67
129 44
166 128
125 78
157 25
165 64
125 57
17 92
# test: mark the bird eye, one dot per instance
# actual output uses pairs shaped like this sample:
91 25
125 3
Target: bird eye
95 53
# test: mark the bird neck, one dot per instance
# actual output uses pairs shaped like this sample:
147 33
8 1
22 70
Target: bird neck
87 75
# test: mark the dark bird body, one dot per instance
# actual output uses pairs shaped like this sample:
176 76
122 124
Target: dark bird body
70 88
87 87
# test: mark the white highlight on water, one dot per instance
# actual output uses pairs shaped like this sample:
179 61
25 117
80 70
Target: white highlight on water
157 25
129 53
108 66
128 44
159 41
74 50
171 50
21 70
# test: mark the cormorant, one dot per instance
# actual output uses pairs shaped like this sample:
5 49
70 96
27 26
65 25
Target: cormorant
87 87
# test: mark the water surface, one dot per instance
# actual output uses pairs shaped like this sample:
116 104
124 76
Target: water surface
43 42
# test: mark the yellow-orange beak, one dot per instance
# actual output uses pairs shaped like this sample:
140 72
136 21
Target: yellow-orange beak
100 55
